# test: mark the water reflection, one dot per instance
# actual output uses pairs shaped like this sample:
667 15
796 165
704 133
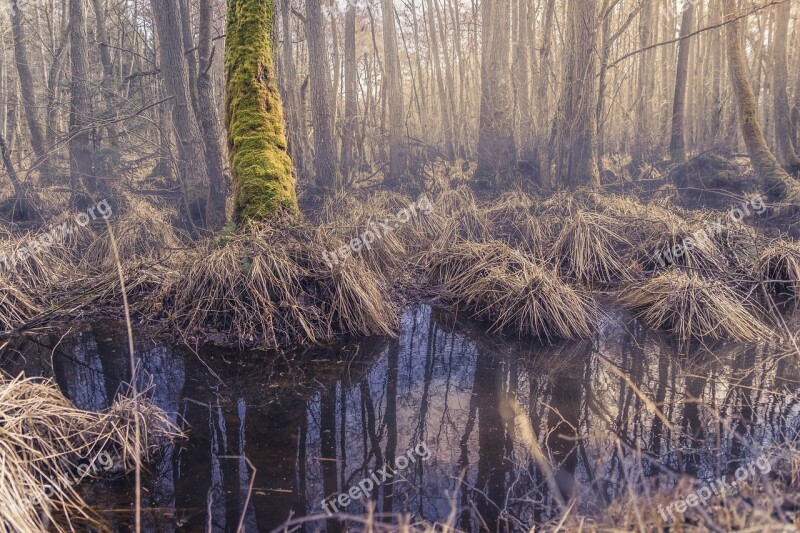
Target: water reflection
355 409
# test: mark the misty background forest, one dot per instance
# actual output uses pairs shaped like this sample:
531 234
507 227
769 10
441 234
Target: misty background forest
399 265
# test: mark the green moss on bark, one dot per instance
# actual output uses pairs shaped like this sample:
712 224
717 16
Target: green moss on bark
261 167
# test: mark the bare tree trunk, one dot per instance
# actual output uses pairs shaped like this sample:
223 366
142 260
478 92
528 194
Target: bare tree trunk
522 82
81 158
101 35
35 126
575 134
642 132
297 131
542 121
322 117
780 80
261 167
497 150
209 123
190 51
176 82
677 143
447 121
776 181
398 157
350 88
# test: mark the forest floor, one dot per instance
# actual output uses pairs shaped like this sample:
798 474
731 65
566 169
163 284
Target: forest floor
714 261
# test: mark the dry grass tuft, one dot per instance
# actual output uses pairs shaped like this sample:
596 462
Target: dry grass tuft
16 307
591 248
452 201
142 233
270 286
694 307
511 220
501 285
779 268
44 439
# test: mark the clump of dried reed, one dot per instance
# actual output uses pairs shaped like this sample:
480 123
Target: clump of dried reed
270 286
591 248
142 232
16 307
499 284
779 269
44 440
511 220
694 307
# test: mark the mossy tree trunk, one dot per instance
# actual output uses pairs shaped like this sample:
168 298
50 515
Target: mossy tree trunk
260 163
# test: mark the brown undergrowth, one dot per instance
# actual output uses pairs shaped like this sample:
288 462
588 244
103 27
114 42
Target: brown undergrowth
523 264
47 446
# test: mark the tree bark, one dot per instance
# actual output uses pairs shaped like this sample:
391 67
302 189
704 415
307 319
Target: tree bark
81 158
209 123
261 167
350 87
677 143
321 114
447 121
296 112
783 126
28 93
575 135
522 82
398 157
497 150
777 182
176 82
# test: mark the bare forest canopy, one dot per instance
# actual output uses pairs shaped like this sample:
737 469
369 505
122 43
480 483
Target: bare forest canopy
102 97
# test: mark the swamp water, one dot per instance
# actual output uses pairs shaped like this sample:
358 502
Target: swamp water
446 390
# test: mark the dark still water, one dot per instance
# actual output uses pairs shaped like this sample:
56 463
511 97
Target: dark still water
442 396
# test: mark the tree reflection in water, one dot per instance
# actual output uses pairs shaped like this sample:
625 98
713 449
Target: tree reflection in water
353 409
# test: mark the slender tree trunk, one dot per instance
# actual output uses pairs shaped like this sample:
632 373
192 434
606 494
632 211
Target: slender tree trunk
176 81
209 123
190 51
497 150
783 126
101 36
398 157
321 114
297 130
522 82
350 88
677 143
261 167
776 180
575 135
447 122
542 120
28 93
81 158
641 144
